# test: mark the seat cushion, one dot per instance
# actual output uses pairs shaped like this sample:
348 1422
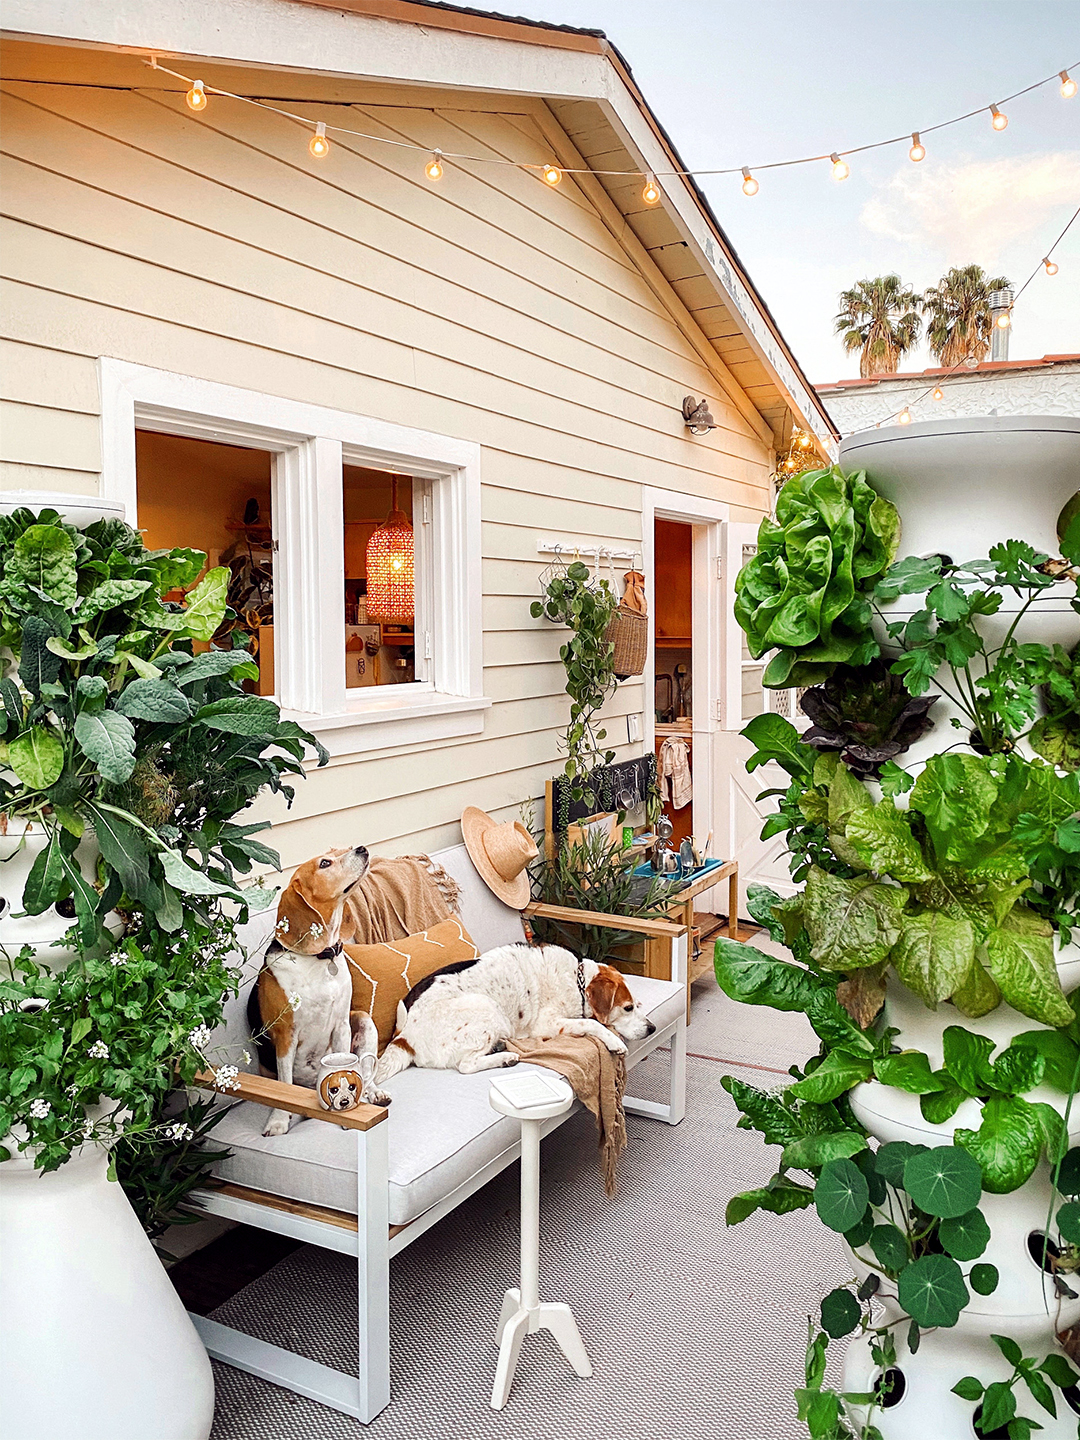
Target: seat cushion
382 975
442 1131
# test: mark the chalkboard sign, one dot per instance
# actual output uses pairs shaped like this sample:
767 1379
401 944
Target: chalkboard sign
629 778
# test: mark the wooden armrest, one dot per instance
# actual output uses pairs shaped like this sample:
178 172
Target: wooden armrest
658 929
297 1099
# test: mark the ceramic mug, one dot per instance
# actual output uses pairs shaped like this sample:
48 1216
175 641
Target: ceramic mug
342 1077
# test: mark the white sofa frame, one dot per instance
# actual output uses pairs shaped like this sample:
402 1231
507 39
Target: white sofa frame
368 1235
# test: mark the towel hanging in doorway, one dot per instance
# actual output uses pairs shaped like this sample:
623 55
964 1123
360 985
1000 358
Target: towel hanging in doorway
673 766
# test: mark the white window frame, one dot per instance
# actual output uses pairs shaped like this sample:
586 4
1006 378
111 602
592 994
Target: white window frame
310 443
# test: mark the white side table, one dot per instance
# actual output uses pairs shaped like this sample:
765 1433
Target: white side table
531 1099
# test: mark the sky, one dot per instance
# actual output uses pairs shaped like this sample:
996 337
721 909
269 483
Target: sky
743 82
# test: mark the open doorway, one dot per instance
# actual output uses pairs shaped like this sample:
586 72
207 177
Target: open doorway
673 671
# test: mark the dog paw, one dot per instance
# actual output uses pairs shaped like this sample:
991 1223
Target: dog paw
510 1059
615 1045
279 1123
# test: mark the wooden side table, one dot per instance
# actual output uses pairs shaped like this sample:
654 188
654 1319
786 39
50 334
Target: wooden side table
682 906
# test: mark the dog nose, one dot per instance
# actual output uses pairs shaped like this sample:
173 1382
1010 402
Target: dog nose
651 1026
361 850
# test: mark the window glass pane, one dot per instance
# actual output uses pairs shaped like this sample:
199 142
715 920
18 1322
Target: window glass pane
216 498
380 578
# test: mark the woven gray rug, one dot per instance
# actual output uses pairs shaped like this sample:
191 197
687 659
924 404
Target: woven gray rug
694 1330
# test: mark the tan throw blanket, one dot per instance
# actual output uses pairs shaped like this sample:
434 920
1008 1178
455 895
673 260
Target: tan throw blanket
598 1079
398 897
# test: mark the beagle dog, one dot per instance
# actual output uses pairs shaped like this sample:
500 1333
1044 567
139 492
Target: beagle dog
301 1003
461 1018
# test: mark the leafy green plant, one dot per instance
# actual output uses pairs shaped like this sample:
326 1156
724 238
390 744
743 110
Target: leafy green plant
824 1410
112 723
1056 735
572 598
804 594
866 715
994 686
997 1400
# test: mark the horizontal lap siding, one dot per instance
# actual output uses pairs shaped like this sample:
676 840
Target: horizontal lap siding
488 307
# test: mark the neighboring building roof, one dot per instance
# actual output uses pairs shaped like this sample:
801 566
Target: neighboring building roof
986 367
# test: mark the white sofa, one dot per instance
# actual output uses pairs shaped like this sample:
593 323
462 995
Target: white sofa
369 1182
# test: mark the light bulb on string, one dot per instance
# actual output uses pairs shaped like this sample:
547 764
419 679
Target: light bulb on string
918 149
1004 320
997 118
434 167
651 193
1068 85
749 184
196 96
904 418
319 145
552 174
1050 266
840 168
938 393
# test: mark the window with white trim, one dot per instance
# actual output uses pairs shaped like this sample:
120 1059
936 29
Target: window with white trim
327 471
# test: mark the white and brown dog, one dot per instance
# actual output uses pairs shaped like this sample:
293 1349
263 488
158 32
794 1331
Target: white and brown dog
461 1019
301 1003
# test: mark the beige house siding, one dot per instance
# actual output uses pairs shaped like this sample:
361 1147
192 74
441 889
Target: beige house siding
487 307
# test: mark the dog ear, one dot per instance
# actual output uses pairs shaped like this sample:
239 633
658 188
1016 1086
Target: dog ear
601 992
299 925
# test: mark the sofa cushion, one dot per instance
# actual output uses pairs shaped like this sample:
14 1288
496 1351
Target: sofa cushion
487 919
441 1132
382 975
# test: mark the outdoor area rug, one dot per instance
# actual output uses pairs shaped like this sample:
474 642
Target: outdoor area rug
694 1330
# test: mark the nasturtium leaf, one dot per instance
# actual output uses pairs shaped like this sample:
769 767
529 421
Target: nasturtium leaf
910 1071
851 923
44 557
1067 1175
891 1158
860 1232
968 1388
107 739
37 757
966 1236
932 1291
1007 1144
154 700
890 1247
1020 957
840 1313
1068 1222
944 1181
814 1150
841 1195
933 953
837 1073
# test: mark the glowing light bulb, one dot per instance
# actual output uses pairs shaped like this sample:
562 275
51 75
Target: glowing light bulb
918 149
938 393
434 167
552 174
904 418
749 184
196 96
998 119
840 167
651 192
319 145
1068 85
1050 267
1004 320
804 441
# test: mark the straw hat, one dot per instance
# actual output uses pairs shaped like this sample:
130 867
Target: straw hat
500 853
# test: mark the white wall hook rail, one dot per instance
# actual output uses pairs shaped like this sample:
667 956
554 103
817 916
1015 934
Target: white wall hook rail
569 549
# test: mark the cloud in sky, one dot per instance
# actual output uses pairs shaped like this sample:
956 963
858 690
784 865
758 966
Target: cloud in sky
973 207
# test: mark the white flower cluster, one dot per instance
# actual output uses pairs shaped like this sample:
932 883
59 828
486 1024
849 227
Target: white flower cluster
118 957
178 1132
88 1130
40 1109
317 931
294 1001
98 1050
225 1078
200 1037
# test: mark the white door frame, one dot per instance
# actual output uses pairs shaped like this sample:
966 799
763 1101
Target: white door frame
707 518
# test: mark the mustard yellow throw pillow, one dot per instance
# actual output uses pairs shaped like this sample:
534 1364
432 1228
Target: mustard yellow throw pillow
382 975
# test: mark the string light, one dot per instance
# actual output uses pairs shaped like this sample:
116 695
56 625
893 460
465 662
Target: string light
998 119
196 96
904 418
840 168
938 393
552 174
651 192
434 168
749 184
1068 85
1004 320
918 149
1050 267
318 144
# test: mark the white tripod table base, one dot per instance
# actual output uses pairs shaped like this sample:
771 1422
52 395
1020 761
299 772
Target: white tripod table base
515 1322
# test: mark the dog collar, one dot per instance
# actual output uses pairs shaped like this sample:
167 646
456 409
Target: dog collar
581 987
330 953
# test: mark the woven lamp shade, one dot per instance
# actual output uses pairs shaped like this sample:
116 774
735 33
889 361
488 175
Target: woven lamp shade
390 580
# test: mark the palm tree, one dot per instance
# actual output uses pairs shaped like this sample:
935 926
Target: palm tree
879 318
960 325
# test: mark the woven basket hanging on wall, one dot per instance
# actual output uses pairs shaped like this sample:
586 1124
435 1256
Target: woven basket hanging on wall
628 629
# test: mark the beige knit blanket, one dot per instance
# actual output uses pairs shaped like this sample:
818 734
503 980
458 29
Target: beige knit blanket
598 1079
398 897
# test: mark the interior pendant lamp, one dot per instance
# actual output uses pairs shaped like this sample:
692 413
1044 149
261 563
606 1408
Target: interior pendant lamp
390 589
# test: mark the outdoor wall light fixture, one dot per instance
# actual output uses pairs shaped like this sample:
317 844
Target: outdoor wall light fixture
697 415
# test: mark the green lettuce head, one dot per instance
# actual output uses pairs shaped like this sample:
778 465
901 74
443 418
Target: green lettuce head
804 592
